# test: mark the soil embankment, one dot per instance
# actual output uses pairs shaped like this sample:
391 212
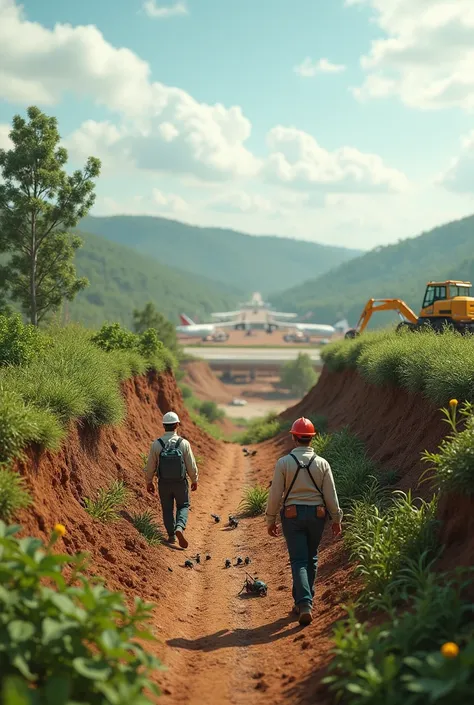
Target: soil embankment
205 384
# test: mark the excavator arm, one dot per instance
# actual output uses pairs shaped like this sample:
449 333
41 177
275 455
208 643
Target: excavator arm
373 305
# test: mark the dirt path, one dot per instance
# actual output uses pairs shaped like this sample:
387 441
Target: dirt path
224 649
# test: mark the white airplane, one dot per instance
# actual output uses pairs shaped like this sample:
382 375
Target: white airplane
308 329
202 330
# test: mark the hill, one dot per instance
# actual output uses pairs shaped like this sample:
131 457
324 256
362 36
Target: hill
395 271
247 262
122 279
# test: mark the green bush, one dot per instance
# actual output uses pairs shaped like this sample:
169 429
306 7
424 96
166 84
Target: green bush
254 501
113 336
19 343
145 524
384 541
259 430
453 464
76 642
205 425
440 366
108 501
298 375
211 411
13 493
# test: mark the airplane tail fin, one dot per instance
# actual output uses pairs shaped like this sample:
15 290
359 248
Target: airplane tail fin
185 320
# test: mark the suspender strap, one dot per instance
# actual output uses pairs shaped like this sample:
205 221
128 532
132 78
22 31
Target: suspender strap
302 466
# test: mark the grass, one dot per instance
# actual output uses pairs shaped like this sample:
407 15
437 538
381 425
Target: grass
254 500
261 429
439 366
147 527
13 494
203 414
69 379
108 501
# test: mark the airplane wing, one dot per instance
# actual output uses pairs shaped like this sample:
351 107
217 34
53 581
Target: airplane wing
225 314
279 314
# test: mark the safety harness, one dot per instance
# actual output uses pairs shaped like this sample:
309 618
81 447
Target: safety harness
302 466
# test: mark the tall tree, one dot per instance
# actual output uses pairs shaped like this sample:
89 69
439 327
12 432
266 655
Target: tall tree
39 203
150 317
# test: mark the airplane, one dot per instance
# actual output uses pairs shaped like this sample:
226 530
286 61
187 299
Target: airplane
202 330
307 329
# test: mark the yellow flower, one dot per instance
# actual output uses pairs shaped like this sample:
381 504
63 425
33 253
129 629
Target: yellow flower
60 529
453 403
450 650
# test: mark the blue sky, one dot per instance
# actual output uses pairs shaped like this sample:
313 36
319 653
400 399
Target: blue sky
295 158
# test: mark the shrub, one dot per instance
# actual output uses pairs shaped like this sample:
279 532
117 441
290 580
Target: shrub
211 411
298 375
384 541
108 501
205 425
76 642
13 493
453 464
259 430
145 524
112 336
254 500
19 343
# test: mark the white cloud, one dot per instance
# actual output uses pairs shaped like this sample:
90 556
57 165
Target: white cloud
169 201
297 160
241 202
427 55
164 11
459 176
5 141
309 68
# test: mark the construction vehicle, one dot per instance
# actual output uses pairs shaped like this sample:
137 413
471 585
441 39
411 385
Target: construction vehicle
446 305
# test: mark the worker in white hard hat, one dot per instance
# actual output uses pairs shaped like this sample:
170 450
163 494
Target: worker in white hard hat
172 461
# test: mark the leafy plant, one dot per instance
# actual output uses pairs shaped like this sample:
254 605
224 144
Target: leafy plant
113 336
211 411
145 524
104 507
254 500
66 640
261 429
19 343
13 493
39 204
298 375
150 317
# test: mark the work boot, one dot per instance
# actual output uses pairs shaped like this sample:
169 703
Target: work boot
296 610
306 616
171 539
181 539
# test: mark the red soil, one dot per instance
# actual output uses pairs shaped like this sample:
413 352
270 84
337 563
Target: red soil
218 647
205 384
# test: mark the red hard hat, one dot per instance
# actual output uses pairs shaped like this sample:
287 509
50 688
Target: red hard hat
303 427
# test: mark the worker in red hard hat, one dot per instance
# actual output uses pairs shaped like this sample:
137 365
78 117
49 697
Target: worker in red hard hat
306 483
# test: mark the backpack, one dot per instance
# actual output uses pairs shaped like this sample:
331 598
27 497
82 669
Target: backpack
302 466
171 466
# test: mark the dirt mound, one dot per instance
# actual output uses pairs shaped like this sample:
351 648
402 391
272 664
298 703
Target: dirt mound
204 383
396 426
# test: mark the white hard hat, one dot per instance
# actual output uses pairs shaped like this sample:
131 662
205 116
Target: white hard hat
170 418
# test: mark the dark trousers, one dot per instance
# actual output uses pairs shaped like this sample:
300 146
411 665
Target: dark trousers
303 535
171 493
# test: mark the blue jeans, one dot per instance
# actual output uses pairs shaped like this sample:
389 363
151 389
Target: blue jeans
171 492
303 535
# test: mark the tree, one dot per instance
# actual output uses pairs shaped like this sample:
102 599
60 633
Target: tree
39 203
150 317
298 375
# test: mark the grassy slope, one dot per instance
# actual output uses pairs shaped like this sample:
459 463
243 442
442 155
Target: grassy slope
396 271
121 280
249 263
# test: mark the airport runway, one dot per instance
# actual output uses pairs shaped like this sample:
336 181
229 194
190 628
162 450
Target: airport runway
251 355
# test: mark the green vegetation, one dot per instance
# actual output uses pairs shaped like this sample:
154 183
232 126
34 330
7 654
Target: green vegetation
13 493
203 413
65 638
438 366
261 429
243 261
385 272
422 648
452 467
122 281
65 376
107 502
150 318
254 500
298 375
145 524
39 204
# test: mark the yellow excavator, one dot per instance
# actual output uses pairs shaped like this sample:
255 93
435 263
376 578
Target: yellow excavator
446 305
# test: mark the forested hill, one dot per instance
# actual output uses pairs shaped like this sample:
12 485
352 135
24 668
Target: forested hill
395 271
122 279
247 262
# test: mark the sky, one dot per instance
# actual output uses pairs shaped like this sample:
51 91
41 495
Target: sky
347 122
